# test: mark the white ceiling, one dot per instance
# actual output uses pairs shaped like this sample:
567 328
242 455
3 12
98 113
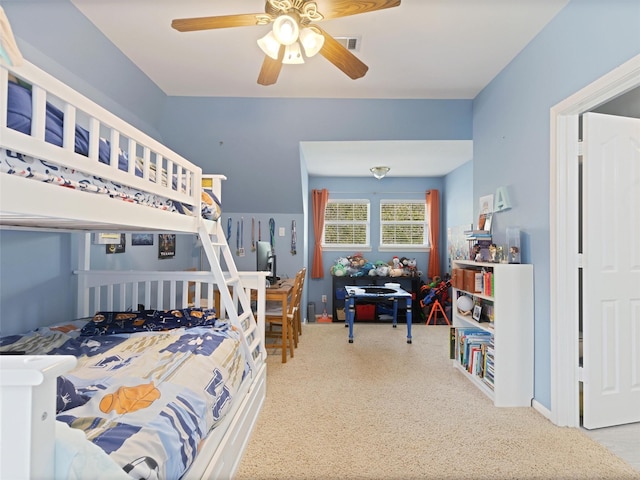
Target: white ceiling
405 158
435 49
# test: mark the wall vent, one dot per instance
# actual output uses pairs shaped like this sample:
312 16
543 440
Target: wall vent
351 43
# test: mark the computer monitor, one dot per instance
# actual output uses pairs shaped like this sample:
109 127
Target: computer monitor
263 252
266 261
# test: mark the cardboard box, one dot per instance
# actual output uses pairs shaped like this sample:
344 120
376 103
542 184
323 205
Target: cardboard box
457 278
469 280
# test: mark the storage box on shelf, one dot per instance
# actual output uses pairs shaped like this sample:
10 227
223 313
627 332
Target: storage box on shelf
493 344
374 312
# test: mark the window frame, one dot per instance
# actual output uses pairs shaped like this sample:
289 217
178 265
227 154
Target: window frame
388 247
349 246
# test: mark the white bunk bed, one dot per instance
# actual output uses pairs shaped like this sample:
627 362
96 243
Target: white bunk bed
150 170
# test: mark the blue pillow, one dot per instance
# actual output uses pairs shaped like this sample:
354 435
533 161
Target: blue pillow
19 118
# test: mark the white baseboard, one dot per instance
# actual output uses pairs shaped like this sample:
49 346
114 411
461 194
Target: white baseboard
544 411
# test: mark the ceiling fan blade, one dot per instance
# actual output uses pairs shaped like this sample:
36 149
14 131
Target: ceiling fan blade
271 68
209 23
343 8
342 58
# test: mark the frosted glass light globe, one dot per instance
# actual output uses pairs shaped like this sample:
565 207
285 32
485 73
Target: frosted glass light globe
465 303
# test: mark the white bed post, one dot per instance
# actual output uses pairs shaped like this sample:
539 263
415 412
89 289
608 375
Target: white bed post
28 411
84 264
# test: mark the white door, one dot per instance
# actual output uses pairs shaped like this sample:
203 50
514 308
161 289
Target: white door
611 270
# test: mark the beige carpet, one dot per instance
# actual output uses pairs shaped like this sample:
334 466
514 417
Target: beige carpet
382 409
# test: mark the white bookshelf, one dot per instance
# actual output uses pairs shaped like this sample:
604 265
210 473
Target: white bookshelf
511 328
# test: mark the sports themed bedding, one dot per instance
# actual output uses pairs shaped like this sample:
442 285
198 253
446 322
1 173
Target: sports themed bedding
19 118
148 386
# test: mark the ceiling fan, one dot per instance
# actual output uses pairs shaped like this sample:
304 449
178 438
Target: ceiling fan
293 28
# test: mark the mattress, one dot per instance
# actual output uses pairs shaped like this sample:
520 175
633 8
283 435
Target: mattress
12 163
147 396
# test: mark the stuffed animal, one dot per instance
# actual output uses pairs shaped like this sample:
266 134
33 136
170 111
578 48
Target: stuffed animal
357 260
369 269
412 267
339 268
395 268
382 269
396 272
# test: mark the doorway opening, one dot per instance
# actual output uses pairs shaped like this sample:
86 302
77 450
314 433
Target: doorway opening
565 238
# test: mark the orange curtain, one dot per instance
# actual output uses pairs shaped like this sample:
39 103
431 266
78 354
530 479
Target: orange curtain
319 200
433 212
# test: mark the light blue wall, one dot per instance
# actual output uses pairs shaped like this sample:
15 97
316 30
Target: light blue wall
145 257
511 131
35 280
287 264
255 142
458 203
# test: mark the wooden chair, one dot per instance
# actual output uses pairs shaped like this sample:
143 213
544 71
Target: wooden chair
274 317
296 299
298 316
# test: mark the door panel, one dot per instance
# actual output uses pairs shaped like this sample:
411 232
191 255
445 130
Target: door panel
611 270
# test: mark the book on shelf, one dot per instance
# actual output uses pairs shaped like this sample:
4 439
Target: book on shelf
452 343
477 235
470 352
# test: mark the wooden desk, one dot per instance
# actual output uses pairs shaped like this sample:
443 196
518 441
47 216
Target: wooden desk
281 294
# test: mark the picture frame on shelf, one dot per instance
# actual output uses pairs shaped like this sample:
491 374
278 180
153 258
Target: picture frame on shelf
477 312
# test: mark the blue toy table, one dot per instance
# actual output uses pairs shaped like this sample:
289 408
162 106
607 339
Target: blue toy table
390 292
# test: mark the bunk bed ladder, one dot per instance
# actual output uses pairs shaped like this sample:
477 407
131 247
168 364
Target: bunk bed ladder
234 294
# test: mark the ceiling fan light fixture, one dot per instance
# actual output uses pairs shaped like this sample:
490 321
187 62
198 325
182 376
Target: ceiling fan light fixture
269 45
286 29
293 54
379 172
312 42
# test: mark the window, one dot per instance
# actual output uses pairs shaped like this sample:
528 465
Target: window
403 224
346 224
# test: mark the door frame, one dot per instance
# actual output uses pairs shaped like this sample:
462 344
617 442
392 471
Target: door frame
564 258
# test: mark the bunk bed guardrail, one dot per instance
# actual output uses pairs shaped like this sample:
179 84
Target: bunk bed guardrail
44 119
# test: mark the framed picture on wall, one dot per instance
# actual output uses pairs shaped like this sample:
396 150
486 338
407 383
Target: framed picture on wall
142 239
117 247
166 245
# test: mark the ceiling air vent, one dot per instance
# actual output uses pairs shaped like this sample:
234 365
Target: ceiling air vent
350 43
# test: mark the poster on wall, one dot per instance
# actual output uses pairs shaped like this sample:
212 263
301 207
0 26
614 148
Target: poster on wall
166 245
141 239
117 247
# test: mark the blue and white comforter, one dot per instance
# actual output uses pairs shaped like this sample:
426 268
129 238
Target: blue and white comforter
146 399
